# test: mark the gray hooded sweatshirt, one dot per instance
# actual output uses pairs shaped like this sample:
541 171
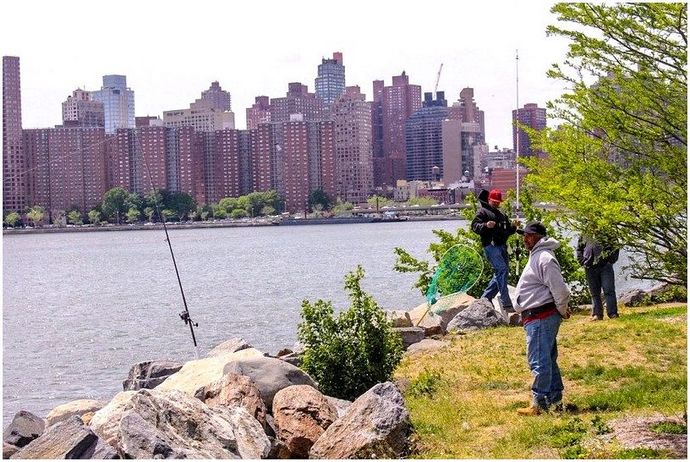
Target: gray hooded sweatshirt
541 281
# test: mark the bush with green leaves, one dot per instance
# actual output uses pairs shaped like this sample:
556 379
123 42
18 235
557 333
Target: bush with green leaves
352 352
518 255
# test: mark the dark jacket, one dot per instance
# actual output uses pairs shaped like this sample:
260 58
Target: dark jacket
592 254
498 235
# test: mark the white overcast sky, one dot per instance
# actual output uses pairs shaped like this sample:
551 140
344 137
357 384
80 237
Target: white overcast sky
171 50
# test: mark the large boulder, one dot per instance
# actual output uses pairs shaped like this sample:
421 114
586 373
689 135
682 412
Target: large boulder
203 372
399 318
340 405
270 375
24 428
410 335
230 346
172 424
106 421
69 439
479 315
78 407
149 374
376 426
301 416
435 320
632 297
8 450
235 390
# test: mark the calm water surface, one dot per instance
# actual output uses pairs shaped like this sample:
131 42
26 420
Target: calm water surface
80 308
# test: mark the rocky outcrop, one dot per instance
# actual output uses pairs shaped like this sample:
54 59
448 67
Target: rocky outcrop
203 372
340 405
437 318
171 424
426 346
479 315
301 415
8 450
235 390
270 375
230 346
106 421
24 428
69 439
632 297
399 318
376 426
149 374
410 335
79 407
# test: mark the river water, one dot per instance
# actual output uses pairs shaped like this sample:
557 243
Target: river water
79 309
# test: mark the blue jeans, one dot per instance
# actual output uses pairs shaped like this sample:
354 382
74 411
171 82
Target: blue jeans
498 257
542 353
598 279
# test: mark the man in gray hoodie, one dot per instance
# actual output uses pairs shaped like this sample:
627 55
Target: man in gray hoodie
542 300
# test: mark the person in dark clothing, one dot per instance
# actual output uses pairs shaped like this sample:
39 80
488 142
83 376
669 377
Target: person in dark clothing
598 260
494 228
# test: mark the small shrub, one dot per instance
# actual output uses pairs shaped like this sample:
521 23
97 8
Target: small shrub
570 434
349 354
574 452
600 427
670 427
425 384
637 453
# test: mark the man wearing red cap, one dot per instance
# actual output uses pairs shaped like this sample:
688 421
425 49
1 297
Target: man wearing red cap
494 228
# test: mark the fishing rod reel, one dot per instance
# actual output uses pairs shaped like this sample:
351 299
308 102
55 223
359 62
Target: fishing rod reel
187 320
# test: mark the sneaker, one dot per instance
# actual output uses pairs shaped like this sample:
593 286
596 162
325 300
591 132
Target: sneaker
613 316
596 318
531 410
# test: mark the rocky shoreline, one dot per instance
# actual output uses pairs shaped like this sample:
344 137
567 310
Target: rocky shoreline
239 402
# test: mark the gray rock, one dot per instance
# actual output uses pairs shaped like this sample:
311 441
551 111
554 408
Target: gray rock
376 426
78 407
278 449
24 428
8 450
427 345
479 315
435 320
340 405
235 390
301 416
104 451
632 297
69 439
399 318
270 375
230 346
149 374
410 335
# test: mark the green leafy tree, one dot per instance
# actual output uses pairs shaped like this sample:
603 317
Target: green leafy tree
12 219
379 201
268 210
319 197
133 215
352 352
238 213
94 216
518 255
421 201
182 203
36 215
116 203
149 212
74 217
341 208
617 165
168 214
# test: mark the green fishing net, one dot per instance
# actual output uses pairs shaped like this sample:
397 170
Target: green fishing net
458 270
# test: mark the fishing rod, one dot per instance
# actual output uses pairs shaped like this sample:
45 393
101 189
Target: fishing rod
185 316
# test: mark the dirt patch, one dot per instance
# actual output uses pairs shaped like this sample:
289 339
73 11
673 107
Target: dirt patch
674 319
636 432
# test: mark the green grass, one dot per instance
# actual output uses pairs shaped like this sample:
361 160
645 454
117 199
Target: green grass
462 399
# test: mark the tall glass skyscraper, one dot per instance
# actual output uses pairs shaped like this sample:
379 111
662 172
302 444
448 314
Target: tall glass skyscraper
330 83
118 102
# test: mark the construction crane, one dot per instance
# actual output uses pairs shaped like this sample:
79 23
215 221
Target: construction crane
438 77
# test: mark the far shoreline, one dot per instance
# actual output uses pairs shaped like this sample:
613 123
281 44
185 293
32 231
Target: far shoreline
226 224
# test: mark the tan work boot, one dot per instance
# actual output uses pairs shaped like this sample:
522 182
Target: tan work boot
529 410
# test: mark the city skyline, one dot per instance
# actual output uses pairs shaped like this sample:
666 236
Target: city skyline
167 71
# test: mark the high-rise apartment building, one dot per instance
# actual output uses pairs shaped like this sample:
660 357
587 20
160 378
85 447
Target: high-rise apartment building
354 170
531 116
467 110
80 110
118 102
297 100
397 103
206 114
259 113
14 180
423 139
330 83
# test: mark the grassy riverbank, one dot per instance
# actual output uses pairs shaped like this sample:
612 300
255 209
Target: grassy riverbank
463 398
